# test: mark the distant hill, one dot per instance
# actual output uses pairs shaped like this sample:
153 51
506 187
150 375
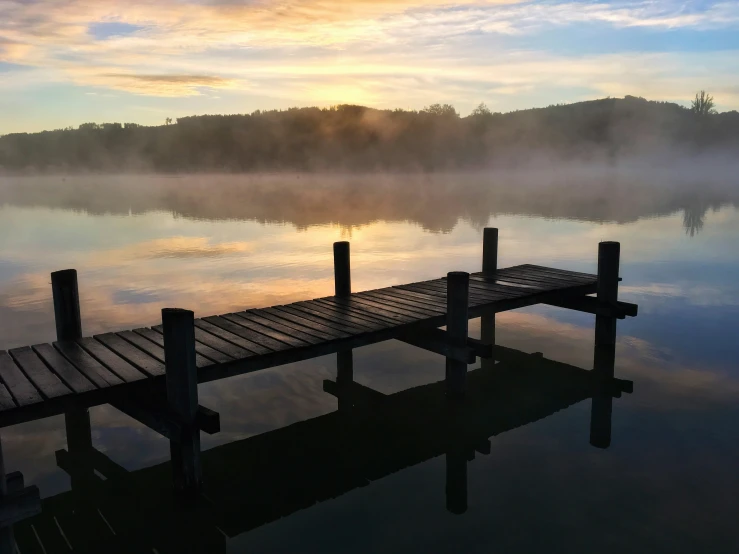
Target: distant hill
356 138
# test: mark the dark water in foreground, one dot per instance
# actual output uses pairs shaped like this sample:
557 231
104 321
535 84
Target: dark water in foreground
668 482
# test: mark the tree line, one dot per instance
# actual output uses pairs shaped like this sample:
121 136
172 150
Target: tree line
357 138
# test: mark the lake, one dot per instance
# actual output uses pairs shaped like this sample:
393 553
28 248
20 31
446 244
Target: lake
215 244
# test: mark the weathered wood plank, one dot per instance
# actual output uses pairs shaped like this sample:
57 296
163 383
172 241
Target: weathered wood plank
399 298
379 308
133 355
297 312
476 296
368 312
419 296
529 281
267 331
340 316
537 274
246 333
204 355
397 307
230 350
68 373
18 384
49 384
89 366
323 334
6 399
306 322
556 270
232 337
111 360
253 316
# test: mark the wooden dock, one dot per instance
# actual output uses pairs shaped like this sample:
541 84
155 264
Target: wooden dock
152 373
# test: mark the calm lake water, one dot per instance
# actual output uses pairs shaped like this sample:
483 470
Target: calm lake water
216 244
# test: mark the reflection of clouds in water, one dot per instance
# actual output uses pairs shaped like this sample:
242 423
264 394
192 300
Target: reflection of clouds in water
270 399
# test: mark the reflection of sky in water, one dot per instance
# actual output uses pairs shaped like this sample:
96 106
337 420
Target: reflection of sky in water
673 453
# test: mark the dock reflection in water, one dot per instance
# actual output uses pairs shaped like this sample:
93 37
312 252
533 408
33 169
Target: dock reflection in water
257 480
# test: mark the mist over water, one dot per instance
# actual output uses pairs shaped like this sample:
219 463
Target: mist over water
221 243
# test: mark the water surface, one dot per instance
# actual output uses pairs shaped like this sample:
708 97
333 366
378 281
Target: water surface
216 244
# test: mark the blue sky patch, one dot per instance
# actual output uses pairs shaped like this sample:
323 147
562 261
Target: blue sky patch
101 31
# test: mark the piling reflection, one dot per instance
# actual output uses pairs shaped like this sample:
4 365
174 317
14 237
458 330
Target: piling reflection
251 482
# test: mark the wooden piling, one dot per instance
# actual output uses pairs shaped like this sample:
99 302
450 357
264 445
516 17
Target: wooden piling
457 287
456 480
7 540
68 321
489 267
66 304
605 346
182 397
345 379
342 270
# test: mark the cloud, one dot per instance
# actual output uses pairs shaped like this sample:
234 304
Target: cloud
385 53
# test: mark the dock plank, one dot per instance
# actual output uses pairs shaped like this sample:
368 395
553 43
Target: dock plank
253 316
362 311
6 399
89 366
49 384
22 390
398 299
255 337
334 324
233 338
266 331
204 356
334 314
133 355
121 367
68 373
304 321
376 308
325 334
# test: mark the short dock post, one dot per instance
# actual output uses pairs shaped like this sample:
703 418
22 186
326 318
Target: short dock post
342 270
457 294
605 346
68 321
489 267
182 397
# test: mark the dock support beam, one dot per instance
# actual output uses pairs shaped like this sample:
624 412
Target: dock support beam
182 397
457 294
489 267
605 346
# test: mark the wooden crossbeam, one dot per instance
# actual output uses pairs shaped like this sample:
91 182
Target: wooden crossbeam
437 341
158 417
359 393
591 305
98 460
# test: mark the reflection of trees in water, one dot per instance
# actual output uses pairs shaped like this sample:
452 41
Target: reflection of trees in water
694 214
693 219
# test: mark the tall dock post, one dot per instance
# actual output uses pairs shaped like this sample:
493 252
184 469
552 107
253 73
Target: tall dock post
457 294
489 267
182 397
604 356
344 358
77 424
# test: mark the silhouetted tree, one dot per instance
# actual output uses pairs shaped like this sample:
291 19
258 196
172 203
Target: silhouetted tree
703 104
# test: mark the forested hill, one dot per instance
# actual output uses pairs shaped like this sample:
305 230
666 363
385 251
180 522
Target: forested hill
355 138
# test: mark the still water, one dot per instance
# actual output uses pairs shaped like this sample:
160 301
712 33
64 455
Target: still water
217 244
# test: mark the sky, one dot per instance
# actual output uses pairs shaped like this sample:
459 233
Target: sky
66 62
